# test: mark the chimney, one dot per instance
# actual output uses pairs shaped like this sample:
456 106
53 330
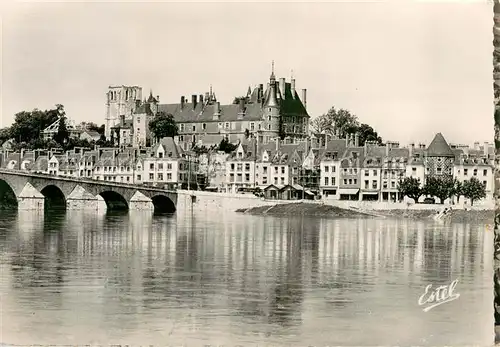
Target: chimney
347 140
242 106
292 87
410 150
158 98
282 87
304 98
356 140
201 99
485 149
387 149
216 110
182 102
365 149
122 119
277 143
476 146
194 100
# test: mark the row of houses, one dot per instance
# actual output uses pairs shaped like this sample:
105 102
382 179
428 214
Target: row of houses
332 168
341 169
165 164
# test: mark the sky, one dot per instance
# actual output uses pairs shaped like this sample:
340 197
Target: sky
408 69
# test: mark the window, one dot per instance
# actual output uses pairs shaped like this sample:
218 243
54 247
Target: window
151 176
275 169
152 166
374 184
264 168
374 172
227 125
366 184
345 181
138 119
413 170
182 127
160 166
350 180
393 184
232 167
138 177
239 167
169 176
252 126
485 172
275 180
326 169
160 155
169 166
355 181
247 167
181 138
204 126
160 177
264 180
367 172
475 172
283 170
247 177
194 128
438 171
282 180
326 181
484 183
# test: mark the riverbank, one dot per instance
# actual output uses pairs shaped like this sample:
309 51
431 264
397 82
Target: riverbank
321 210
456 216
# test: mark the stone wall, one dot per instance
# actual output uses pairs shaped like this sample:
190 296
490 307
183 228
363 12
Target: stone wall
200 200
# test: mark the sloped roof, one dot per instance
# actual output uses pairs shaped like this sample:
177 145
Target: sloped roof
439 147
169 146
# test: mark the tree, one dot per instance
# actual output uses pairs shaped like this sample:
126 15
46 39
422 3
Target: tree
5 134
440 187
410 187
163 125
367 133
473 190
226 146
345 123
28 125
62 135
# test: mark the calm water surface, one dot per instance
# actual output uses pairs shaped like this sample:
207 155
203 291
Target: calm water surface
228 279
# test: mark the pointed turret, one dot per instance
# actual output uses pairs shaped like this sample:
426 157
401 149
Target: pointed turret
272 97
151 97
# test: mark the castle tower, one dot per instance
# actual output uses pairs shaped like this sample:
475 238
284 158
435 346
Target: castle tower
121 101
271 110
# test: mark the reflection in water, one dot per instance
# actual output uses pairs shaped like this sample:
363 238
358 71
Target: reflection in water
138 278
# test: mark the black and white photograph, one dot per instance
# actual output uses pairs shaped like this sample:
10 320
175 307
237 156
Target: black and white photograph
249 173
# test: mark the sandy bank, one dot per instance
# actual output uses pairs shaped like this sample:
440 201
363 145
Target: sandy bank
457 216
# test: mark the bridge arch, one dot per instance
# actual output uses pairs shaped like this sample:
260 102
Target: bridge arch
163 204
114 200
8 198
54 197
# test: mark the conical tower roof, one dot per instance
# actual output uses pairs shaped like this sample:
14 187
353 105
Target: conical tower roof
439 147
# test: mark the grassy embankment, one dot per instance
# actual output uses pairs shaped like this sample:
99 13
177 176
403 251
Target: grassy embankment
308 209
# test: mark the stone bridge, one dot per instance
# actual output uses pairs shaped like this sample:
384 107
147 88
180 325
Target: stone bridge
35 191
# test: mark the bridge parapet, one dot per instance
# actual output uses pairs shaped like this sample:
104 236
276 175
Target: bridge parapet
85 192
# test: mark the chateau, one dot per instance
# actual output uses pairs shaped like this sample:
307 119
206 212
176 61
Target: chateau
263 113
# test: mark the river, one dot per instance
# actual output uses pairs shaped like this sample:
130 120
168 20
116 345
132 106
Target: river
223 278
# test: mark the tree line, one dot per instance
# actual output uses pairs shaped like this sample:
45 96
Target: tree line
443 188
